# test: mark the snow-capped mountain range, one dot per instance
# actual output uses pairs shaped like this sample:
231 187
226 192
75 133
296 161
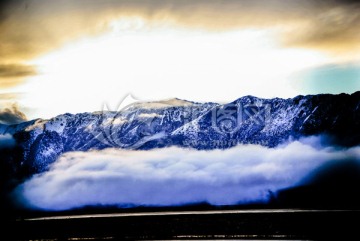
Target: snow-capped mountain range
148 125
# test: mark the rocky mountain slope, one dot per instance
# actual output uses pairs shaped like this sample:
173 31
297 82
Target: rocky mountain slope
247 120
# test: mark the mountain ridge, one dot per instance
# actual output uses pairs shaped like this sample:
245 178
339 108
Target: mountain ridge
202 126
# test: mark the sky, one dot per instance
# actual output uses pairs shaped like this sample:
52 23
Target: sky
73 56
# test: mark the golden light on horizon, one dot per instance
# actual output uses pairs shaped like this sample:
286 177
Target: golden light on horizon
158 62
204 50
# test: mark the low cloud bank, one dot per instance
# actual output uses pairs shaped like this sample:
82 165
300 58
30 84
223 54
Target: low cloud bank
174 176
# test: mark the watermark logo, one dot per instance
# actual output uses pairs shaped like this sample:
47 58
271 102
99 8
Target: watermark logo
230 117
135 123
257 113
226 118
126 127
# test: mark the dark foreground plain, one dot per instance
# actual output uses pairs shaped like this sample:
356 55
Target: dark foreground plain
325 208
273 224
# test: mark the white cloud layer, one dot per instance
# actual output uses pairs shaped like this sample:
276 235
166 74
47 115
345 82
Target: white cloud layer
173 176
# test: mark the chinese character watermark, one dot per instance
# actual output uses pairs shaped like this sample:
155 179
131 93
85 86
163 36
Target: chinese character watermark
230 117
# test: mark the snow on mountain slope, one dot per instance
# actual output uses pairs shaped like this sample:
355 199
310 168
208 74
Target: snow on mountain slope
163 104
247 120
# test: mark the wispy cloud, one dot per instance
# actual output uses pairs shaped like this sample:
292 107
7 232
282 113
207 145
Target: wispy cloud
14 74
333 29
15 70
12 115
174 176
